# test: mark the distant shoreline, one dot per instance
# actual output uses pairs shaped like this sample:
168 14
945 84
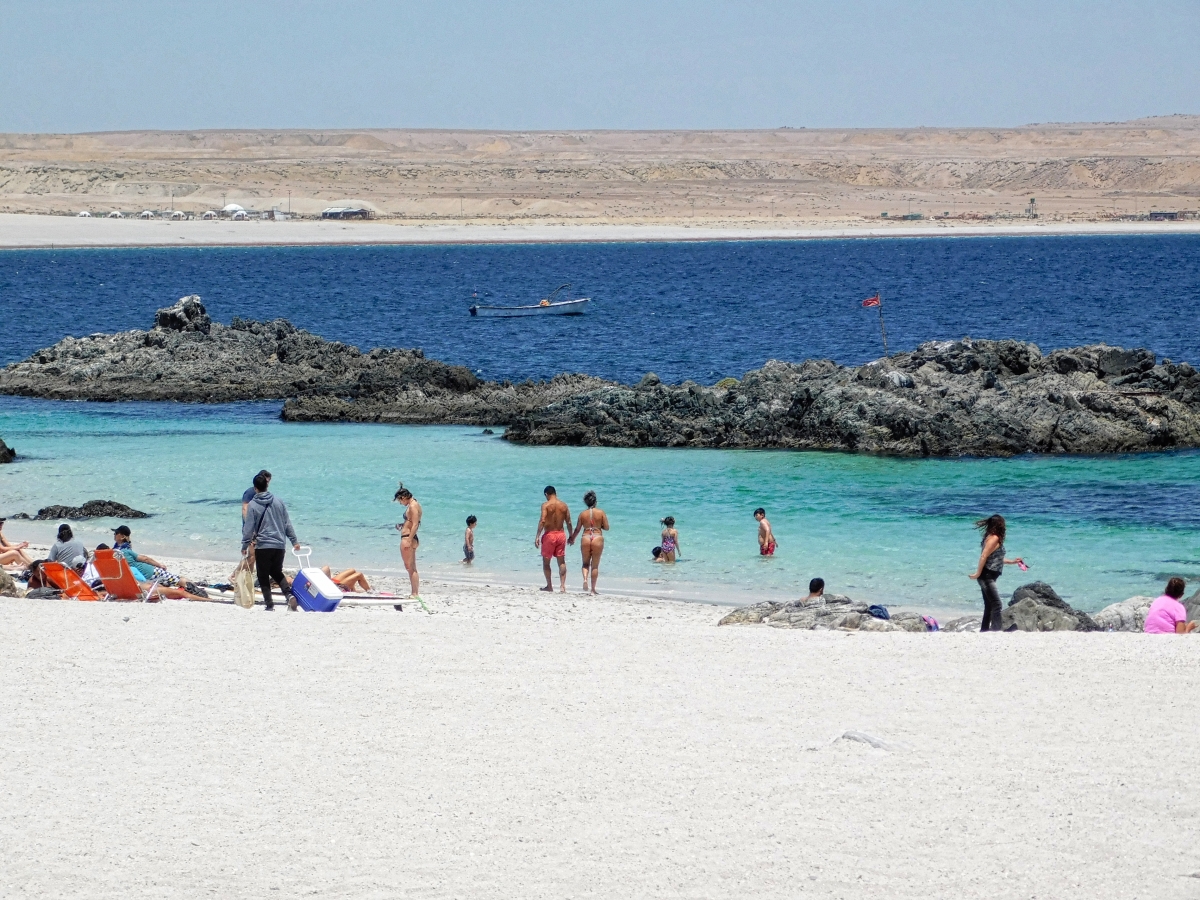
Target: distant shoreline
28 232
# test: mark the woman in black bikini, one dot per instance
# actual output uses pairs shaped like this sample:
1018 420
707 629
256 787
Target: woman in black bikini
991 566
593 522
408 537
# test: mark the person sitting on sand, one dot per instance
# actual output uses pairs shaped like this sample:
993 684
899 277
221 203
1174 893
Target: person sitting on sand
67 550
670 540
766 537
1167 615
816 593
170 585
350 580
13 554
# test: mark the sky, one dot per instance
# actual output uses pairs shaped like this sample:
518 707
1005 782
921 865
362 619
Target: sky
169 64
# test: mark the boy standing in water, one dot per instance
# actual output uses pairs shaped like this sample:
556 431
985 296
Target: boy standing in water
766 538
469 541
551 537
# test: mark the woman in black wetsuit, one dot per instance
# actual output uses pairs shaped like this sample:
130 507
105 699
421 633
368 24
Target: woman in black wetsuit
991 566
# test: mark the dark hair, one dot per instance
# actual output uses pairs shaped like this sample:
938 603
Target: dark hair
761 512
471 520
103 547
656 552
264 473
1175 587
816 585
992 525
549 491
669 521
261 481
402 493
64 532
589 499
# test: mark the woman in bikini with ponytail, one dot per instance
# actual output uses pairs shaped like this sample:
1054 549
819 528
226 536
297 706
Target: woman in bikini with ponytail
593 523
408 536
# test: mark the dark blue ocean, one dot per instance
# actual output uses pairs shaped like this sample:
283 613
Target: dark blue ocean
684 310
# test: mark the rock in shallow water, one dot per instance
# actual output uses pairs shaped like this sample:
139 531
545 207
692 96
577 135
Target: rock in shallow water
7 454
92 509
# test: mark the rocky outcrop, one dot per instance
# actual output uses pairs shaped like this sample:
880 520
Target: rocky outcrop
838 612
92 509
1037 607
7 454
8 587
187 357
1128 615
981 398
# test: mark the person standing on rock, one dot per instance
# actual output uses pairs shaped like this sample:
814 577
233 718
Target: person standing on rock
766 537
409 542
1167 615
248 494
593 522
991 566
551 538
267 525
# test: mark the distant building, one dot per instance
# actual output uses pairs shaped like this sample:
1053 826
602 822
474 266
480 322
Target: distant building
347 212
1159 215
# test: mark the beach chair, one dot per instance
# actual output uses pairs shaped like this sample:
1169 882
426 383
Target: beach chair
68 581
118 579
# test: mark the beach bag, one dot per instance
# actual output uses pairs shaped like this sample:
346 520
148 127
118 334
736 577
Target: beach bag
879 612
243 584
931 624
43 593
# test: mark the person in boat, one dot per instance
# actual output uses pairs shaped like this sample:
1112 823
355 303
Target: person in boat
593 523
545 301
551 537
350 580
670 540
409 542
13 554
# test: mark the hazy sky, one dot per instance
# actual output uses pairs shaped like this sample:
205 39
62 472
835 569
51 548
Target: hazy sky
89 66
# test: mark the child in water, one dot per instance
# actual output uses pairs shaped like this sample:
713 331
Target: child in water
670 540
469 541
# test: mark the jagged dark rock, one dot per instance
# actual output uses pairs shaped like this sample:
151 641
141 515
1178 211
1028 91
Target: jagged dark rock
7 453
92 509
978 398
954 398
1037 607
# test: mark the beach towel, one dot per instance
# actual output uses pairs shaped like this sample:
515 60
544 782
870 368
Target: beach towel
879 612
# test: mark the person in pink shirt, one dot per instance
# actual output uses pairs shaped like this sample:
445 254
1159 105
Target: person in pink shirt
1167 615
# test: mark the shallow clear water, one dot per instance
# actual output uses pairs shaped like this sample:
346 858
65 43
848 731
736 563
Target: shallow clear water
894 531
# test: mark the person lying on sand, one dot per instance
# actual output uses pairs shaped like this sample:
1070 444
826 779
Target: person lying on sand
348 580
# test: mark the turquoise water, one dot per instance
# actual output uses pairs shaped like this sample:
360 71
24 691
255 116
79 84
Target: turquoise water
892 531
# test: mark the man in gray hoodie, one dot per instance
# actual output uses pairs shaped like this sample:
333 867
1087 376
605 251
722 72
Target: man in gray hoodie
267 525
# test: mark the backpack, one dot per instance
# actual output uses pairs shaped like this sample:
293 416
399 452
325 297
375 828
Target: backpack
879 612
931 624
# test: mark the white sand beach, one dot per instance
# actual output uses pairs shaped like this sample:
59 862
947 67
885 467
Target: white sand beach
46 231
517 744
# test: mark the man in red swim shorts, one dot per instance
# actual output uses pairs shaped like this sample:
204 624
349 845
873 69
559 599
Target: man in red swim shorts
551 537
766 537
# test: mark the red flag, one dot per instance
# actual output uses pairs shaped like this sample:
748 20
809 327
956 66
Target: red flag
872 301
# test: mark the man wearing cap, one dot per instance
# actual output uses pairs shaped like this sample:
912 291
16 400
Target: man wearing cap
248 494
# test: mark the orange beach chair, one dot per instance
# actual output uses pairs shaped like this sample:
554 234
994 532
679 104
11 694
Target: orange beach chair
68 581
118 578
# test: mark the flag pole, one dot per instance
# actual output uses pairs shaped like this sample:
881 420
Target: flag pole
882 329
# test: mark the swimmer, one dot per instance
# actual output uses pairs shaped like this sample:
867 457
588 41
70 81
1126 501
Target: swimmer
766 538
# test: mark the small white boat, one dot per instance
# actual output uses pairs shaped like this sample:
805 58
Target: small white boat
548 306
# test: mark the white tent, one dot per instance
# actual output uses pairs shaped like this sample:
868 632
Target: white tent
85 215
178 214
116 214
211 214
232 208
239 216
146 214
